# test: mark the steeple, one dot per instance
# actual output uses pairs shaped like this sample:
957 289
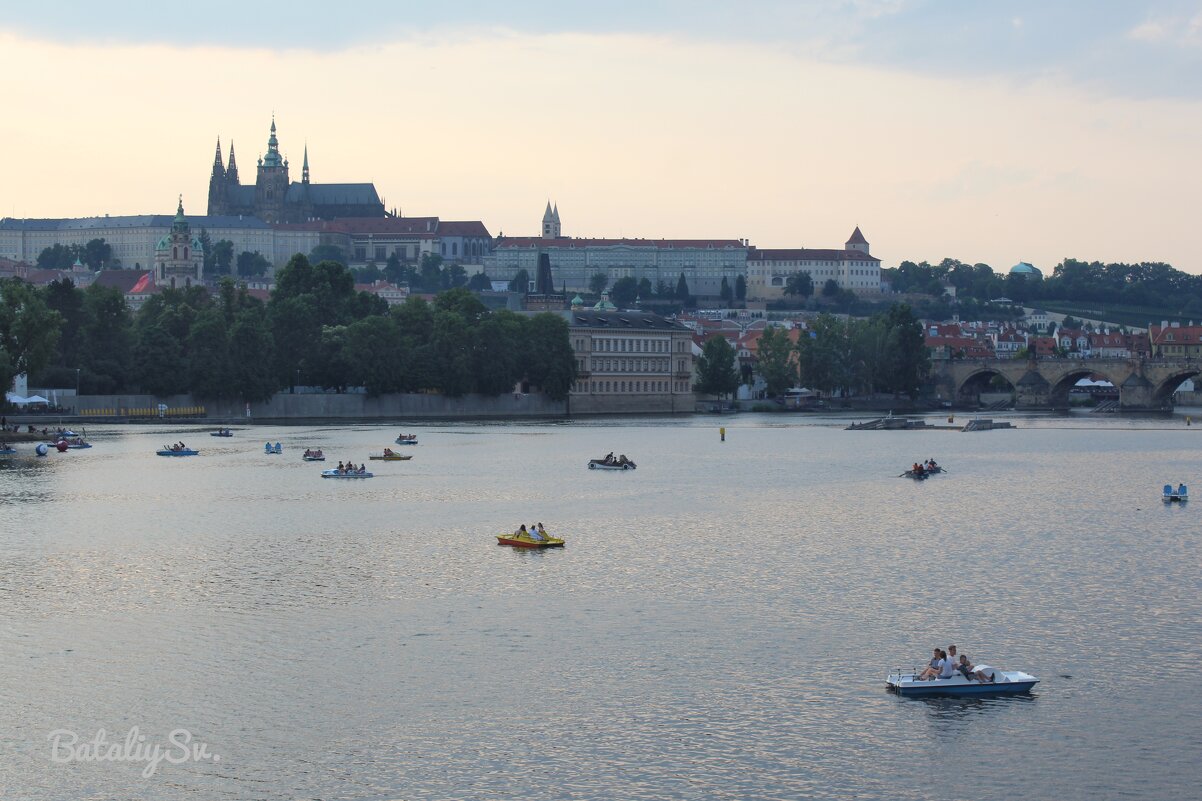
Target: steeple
272 159
857 241
305 168
218 167
180 223
551 222
231 172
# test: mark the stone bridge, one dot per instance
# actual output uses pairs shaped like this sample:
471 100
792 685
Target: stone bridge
1143 384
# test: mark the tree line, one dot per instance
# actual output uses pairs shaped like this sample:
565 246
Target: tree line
1145 284
316 330
884 353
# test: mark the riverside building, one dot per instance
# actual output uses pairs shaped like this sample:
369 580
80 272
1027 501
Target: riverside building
852 267
629 362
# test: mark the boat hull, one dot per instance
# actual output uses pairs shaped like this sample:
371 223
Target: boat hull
1176 498
178 453
596 465
314 458
1008 683
389 458
524 542
215 434
406 442
336 474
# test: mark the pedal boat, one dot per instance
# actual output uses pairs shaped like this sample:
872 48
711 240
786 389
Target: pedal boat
526 541
336 474
403 440
389 457
182 452
601 464
1179 495
1006 682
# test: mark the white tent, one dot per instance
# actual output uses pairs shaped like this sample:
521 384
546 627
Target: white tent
13 397
37 399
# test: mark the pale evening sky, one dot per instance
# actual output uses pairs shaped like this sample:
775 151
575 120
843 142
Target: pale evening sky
979 130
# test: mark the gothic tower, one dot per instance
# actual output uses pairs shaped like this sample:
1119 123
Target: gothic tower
271 184
217 183
231 172
551 222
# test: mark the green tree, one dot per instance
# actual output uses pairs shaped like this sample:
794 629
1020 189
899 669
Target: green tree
551 363
58 257
208 355
682 288
520 282
741 287
776 360
454 276
107 342
716 370
726 292
479 282
645 288
327 253
431 272
252 264
159 364
799 284
222 257
250 357
29 330
597 282
96 253
64 298
371 352
624 291
830 289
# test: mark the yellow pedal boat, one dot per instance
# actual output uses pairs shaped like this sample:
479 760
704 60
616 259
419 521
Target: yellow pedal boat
524 540
388 456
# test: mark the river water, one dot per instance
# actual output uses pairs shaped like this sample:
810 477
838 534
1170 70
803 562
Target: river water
718 626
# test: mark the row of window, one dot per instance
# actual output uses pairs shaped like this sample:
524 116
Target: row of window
602 345
628 386
630 366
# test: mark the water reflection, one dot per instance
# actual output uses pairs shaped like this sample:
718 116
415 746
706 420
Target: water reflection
704 634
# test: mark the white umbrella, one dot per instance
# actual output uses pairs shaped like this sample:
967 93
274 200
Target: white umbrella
36 399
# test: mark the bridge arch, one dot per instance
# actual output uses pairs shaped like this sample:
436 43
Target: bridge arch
1058 394
1162 394
971 386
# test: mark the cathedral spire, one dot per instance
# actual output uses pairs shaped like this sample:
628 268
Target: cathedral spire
218 168
231 172
272 159
305 168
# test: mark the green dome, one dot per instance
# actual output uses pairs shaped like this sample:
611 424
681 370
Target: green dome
1026 268
164 244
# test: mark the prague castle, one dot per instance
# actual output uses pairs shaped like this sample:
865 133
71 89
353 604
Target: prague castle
274 199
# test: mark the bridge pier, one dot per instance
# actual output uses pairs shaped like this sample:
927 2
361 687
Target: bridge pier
1033 391
1137 394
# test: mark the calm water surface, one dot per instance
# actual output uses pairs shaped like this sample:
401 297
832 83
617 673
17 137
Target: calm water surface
718 626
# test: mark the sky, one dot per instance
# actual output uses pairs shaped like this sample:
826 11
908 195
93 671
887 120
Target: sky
982 131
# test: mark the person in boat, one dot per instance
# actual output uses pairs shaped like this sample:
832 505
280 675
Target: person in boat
339 467
934 667
521 532
950 660
931 466
542 530
965 667
388 451
985 674
535 534
609 458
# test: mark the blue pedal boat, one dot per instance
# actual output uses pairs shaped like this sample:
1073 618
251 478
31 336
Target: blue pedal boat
1005 682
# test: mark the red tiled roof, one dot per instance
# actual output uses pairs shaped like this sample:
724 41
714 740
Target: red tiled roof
1181 333
124 280
807 254
569 242
462 228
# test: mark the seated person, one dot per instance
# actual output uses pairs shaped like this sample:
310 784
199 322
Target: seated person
947 668
965 667
933 667
984 673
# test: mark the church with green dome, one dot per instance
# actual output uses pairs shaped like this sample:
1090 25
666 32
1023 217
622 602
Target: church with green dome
179 257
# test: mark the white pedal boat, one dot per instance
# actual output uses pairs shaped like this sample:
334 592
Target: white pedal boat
337 474
1005 682
601 464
